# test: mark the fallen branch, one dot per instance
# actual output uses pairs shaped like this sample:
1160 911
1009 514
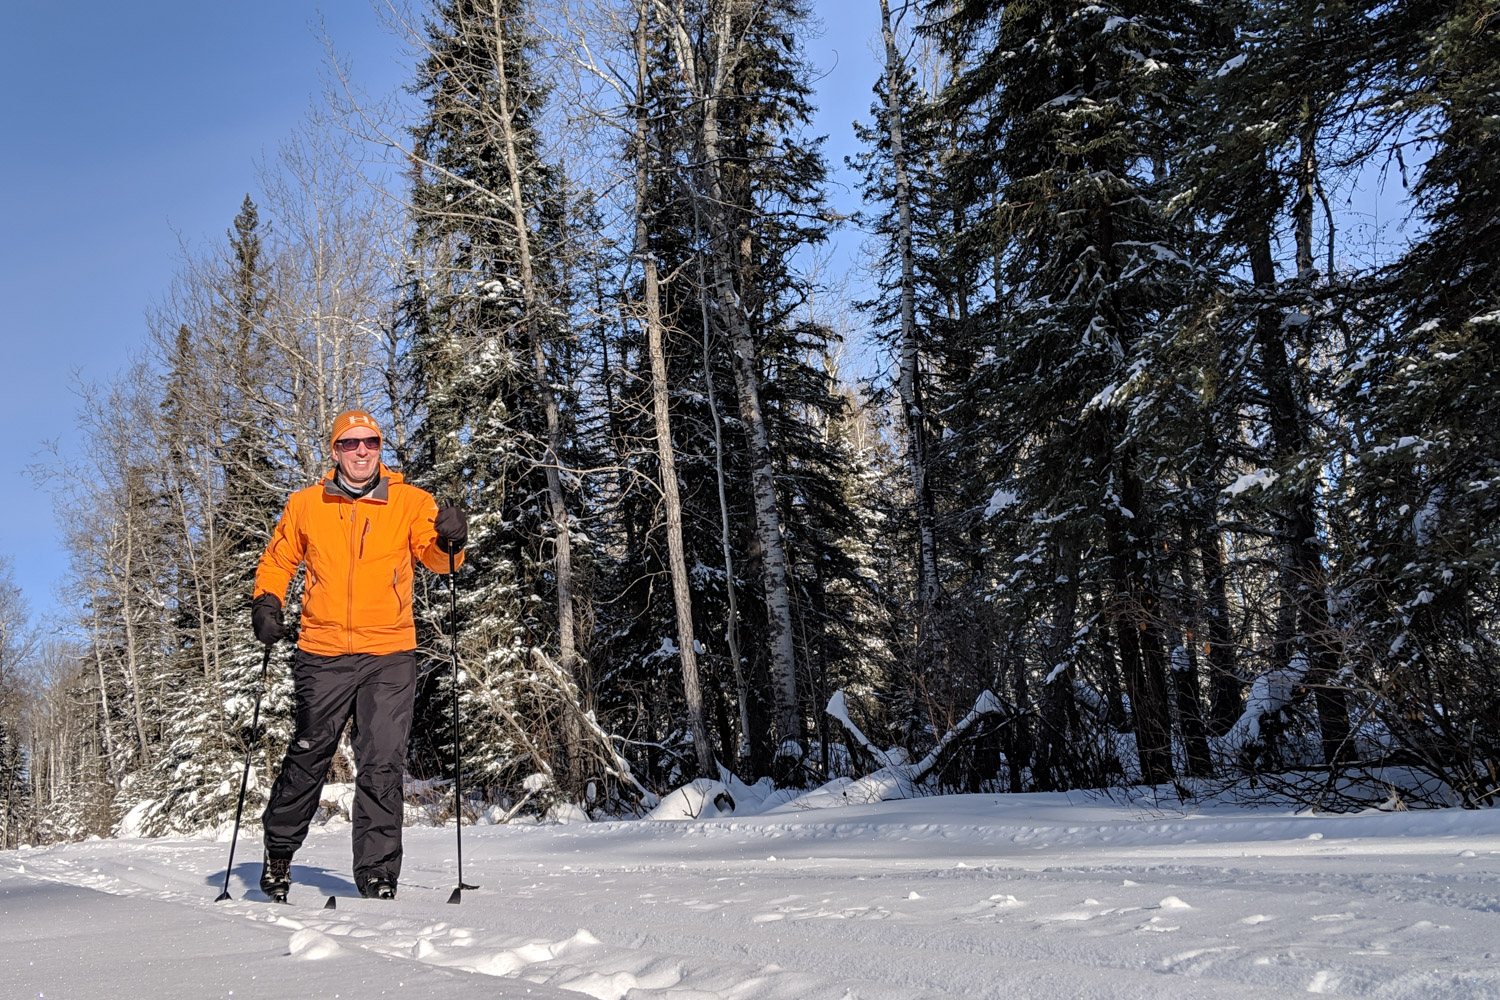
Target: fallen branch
896 776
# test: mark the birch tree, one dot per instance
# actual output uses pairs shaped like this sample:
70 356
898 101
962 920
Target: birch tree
666 456
910 342
708 53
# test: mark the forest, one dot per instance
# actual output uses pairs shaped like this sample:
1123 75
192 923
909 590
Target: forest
1141 460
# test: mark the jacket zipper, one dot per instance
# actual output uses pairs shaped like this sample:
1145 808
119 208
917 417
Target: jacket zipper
349 595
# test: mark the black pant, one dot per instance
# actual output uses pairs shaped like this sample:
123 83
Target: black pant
379 691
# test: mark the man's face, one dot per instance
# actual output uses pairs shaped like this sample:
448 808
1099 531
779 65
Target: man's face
357 452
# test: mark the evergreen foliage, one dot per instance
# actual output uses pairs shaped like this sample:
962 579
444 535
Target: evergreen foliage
1196 480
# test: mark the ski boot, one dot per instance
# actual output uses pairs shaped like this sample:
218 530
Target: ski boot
276 878
376 886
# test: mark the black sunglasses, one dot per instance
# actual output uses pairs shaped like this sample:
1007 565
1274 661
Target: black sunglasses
352 444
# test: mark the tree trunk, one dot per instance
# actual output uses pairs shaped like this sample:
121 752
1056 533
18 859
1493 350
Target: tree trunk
1190 705
1139 633
562 531
1019 741
681 592
107 724
1226 699
745 364
1182 639
127 617
732 627
908 387
1303 576
1057 686
1316 627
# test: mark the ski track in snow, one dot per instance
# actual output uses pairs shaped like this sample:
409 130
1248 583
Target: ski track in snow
958 897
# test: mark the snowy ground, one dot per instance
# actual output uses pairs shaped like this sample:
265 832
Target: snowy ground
959 897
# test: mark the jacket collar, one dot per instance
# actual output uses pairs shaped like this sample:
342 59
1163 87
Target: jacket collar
380 494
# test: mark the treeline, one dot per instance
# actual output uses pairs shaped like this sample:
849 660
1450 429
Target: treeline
1192 474
1192 464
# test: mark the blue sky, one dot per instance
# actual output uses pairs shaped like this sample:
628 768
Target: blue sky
133 129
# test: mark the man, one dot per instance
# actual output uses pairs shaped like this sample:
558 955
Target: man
360 532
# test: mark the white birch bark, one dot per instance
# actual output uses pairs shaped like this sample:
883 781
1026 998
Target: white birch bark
676 560
566 628
732 627
706 89
911 405
128 619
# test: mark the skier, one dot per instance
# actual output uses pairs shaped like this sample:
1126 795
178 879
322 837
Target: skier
360 532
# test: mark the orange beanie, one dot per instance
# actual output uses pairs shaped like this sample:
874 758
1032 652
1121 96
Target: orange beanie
348 419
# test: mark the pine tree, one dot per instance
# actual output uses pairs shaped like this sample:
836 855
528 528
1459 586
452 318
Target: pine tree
487 322
1066 120
18 643
1422 391
900 179
752 187
227 490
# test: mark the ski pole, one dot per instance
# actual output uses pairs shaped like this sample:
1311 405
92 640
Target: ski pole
458 805
265 672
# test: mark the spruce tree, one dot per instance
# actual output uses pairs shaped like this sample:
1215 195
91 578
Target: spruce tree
485 316
1422 390
18 643
1066 117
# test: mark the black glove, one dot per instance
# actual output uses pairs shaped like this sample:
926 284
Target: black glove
265 615
452 529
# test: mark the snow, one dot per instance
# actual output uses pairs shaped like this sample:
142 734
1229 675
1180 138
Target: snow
1158 250
965 896
1002 499
1405 441
1269 694
666 651
1233 64
131 822
1101 398
838 707
1260 477
1180 660
700 799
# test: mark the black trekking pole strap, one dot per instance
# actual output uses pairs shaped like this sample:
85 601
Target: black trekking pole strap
458 807
239 809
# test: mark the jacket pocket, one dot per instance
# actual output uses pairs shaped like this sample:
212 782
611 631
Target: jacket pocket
315 610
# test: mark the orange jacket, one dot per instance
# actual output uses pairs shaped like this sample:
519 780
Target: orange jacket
360 556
